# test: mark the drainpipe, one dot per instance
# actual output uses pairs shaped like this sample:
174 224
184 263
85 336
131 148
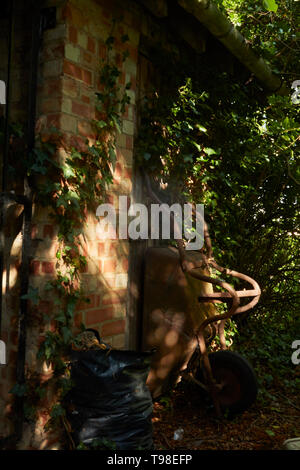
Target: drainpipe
219 26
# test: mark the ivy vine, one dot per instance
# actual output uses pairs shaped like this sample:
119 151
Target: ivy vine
72 185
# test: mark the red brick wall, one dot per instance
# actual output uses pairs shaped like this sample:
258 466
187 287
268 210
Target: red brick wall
68 79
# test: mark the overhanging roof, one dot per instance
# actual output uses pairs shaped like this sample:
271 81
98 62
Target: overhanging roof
209 15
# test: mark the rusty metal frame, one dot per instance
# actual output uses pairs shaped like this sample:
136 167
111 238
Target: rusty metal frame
230 296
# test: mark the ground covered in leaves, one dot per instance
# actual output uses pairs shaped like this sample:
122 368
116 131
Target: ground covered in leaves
274 418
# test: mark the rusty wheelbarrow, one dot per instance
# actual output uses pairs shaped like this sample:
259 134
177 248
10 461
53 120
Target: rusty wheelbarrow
181 319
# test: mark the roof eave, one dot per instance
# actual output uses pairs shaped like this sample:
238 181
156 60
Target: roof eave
208 14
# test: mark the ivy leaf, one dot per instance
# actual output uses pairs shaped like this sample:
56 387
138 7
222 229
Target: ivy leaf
19 390
32 295
209 151
68 171
57 411
199 148
67 334
101 124
271 5
201 128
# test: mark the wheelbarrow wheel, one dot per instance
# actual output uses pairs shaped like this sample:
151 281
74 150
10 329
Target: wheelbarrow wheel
237 379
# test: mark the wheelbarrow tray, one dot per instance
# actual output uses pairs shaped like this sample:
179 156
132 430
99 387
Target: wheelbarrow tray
171 314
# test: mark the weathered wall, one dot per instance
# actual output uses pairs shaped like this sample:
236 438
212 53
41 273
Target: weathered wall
68 78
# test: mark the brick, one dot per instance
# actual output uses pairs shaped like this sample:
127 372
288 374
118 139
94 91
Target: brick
66 105
87 59
118 170
70 87
128 113
82 39
121 281
48 231
47 267
99 315
125 264
93 267
87 76
128 173
109 280
53 51
81 109
66 12
91 45
85 128
82 305
72 53
50 106
113 328
72 34
77 142
114 297
53 120
53 87
128 127
109 265
113 249
125 156
101 249
35 267
129 142
102 51
72 69
68 123
121 140
78 319
131 95
56 33
85 99
45 307
52 68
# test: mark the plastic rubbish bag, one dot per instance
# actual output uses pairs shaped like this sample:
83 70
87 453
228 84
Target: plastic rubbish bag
110 400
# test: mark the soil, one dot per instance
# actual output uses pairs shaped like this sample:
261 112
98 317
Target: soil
264 426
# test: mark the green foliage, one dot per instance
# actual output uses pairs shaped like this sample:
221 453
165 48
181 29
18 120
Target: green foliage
98 444
271 29
220 140
270 5
267 345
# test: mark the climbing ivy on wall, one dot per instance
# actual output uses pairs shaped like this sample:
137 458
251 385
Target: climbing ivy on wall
71 183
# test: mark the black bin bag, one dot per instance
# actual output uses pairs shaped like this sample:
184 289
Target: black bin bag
110 399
